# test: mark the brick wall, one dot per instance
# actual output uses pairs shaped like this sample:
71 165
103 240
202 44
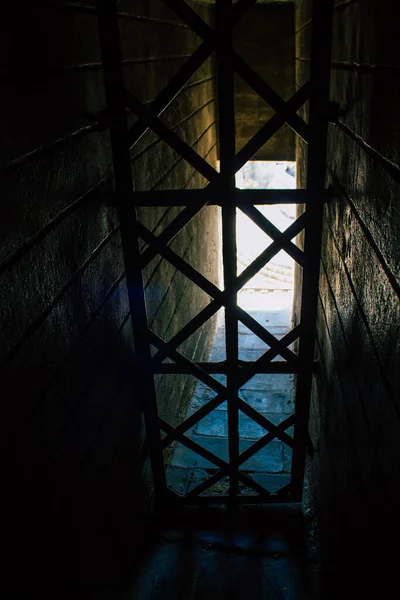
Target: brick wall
70 413
355 417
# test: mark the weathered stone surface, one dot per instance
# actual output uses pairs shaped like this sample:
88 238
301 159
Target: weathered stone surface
226 554
269 50
354 423
71 403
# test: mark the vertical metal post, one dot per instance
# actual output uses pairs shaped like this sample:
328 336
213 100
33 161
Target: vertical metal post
226 127
321 42
114 87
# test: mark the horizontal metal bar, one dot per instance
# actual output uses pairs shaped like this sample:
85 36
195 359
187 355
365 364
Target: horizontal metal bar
213 291
215 385
243 376
192 368
219 297
215 198
222 368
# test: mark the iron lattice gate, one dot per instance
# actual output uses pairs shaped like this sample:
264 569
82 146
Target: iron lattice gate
221 191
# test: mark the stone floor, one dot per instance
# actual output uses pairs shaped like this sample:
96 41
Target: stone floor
272 395
227 556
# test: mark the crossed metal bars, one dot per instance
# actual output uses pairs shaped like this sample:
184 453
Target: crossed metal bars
286 111
221 190
282 240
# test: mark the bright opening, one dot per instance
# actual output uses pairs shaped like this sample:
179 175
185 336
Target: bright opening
267 298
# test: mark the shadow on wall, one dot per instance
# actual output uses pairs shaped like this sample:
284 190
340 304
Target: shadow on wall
79 488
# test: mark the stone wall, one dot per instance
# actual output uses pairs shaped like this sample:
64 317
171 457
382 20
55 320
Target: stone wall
264 38
78 480
354 475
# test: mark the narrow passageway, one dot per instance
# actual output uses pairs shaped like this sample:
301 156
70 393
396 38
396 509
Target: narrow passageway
268 298
125 123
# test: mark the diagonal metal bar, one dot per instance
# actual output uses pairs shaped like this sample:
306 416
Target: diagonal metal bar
191 18
172 230
179 262
278 347
186 331
170 137
185 73
263 492
193 419
267 93
225 467
272 126
203 376
283 242
250 271
172 89
244 375
195 447
269 252
273 429
266 439
207 483
240 9
266 336
248 372
213 291
269 228
248 74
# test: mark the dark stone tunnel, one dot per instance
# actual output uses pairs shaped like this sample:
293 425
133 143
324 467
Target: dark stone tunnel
79 505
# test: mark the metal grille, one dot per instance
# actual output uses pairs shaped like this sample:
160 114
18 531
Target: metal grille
221 191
